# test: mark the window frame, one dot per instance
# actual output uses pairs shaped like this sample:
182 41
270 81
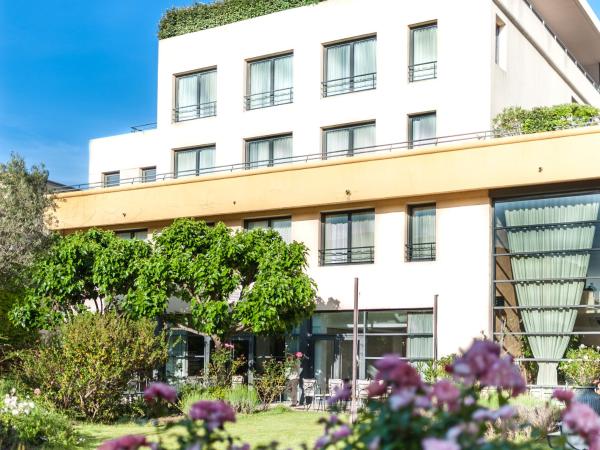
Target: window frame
144 177
411 50
198 105
271 91
352 41
348 247
410 131
132 233
271 140
198 150
350 151
269 221
106 175
409 256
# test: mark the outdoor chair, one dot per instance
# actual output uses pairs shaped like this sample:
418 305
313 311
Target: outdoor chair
333 385
320 397
574 441
362 391
309 387
237 380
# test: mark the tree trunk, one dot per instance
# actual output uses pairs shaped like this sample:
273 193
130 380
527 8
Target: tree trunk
217 341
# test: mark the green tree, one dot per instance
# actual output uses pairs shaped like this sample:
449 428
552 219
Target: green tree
249 281
80 270
25 215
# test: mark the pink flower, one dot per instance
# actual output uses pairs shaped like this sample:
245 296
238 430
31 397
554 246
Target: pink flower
483 415
377 389
341 395
582 420
213 413
504 374
439 444
299 355
401 398
394 370
563 395
160 390
129 442
422 401
446 393
37 392
476 361
228 346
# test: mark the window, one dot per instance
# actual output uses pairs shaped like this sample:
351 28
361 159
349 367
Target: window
268 151
194 161
408 333
270 82
348 238
133 234
423 53
196 96
110 179
347 141
500 44
148 174
187 354
281 224
547 270
421 233
350 66
422 129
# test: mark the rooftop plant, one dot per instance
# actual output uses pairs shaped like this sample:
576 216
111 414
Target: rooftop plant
201 16
545 118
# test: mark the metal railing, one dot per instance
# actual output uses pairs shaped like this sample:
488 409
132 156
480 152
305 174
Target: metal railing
420 252
191 112
312 157
269 98
354 255
423 71
563 46
349 84
143 127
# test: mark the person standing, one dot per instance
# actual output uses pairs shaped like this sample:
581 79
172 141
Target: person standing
294 369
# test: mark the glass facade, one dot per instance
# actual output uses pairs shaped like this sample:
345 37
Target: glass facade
546 273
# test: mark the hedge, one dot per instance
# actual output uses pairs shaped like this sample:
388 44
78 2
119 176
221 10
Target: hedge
201 16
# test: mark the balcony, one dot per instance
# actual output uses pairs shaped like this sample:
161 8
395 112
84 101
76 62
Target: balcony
424 71
354 255
191 112
270 98
420 252
346 85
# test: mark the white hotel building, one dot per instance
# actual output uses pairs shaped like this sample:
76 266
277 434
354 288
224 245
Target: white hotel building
358 128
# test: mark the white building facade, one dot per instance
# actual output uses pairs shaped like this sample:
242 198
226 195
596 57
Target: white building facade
343 78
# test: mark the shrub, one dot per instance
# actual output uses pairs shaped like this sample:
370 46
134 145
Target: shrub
190 395
272 381
584 370
432 371
516 120
222 367
25 424
243 399
201 16
85 366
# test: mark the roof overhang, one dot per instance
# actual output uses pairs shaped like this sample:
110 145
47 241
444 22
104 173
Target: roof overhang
576 25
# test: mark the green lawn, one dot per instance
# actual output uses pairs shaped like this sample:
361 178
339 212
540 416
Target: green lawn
290 428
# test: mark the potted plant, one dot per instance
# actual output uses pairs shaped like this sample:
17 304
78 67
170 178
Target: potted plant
582 371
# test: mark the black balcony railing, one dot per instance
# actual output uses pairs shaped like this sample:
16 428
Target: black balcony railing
191 112
420 252
349 84
314 157
270 98
423 71
354 255
143 127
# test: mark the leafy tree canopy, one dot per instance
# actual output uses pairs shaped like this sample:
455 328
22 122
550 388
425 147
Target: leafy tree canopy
80 270
545 118
248 281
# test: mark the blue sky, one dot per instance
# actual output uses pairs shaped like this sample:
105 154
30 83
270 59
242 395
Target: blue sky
72 70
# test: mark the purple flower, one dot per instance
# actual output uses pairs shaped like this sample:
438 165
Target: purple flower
341 395
322 442
394 370
504 374
160 390
446 393
583 420
129 442
377 389
563 395
505 412
476 361
439 444
341 433
482 415
213 413
401 398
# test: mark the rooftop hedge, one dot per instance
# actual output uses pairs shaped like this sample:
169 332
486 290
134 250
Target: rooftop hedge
545 118
201 16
